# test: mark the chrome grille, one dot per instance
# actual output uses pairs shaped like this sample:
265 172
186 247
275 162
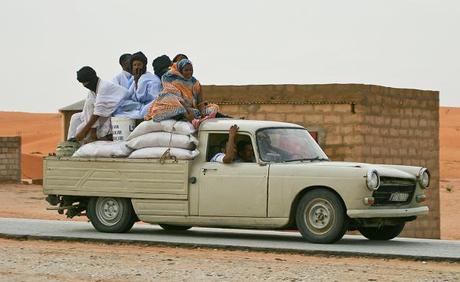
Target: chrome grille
390 185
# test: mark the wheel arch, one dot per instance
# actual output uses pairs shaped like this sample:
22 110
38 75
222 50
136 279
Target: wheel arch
301 193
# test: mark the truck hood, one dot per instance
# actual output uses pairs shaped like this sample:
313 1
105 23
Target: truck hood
398 171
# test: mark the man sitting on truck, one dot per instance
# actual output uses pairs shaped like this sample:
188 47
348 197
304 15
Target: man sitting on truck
242 152
93 123
125 78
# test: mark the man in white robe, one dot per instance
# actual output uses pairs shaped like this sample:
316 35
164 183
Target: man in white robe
93 123
125 78
143 90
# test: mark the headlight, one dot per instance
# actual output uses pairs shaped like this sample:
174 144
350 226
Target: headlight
372 179
424 178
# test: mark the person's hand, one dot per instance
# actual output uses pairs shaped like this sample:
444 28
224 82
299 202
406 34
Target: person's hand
233 130
80 136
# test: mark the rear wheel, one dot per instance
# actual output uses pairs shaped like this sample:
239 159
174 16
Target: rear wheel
320 217
383 233
170 227
112 215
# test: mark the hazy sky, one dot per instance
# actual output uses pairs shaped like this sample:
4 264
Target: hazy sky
400 43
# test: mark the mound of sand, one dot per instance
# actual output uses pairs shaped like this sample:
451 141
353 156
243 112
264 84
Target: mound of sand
40 134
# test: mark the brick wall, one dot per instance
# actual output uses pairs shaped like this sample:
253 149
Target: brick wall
10 159
355 122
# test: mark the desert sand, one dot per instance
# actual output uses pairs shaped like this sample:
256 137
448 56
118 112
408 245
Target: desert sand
42 132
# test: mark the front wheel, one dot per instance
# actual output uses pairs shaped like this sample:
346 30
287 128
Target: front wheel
383 233
111 215
321 217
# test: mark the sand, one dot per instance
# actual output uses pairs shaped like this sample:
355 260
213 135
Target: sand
40 134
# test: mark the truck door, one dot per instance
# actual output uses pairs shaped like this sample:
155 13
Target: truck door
236 189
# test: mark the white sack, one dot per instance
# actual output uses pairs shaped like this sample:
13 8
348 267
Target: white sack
157 152
163 139
169 125
178 127
104 149
145 127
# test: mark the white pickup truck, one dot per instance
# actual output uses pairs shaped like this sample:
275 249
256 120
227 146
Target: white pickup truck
290 184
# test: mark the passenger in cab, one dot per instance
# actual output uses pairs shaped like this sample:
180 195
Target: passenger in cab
125 78
242 152
93 123
181 98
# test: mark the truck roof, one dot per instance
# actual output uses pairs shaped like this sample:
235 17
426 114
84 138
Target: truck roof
218 124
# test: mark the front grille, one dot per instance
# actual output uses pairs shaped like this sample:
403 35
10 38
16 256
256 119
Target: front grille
390 185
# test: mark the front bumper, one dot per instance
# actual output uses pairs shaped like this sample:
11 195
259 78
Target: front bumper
379 213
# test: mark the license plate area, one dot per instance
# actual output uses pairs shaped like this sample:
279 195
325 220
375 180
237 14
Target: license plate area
399 197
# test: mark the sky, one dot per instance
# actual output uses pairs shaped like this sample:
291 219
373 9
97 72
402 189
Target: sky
396 43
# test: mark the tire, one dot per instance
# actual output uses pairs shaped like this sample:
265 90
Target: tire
383 233
320 217
169 227
111 215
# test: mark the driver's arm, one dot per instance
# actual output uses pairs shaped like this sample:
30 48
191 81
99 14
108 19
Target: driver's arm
230 149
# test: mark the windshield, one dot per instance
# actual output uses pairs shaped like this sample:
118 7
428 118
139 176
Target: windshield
288 144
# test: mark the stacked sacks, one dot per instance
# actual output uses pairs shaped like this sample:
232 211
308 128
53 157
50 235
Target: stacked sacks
154 139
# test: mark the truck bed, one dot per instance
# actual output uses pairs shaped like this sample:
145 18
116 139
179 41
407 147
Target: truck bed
110 177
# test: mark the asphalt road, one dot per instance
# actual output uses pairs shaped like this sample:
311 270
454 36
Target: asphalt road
278 241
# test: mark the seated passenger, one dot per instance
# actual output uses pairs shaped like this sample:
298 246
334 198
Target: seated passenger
124 79
181 97
93 123
146 86
144 89
161 65
242 153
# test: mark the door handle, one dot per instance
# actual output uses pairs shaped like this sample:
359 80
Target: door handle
203 170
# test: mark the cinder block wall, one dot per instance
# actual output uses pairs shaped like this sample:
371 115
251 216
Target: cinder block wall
355 122
10 159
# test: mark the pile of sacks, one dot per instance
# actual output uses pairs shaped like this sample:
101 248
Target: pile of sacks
149 140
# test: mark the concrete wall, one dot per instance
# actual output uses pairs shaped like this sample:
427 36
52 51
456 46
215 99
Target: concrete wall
355 122
10 159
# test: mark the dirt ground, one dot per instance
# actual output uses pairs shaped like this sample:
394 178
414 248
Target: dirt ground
62 261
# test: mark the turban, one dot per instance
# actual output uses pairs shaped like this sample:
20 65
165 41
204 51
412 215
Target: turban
139 56
182 63
86 74
161 65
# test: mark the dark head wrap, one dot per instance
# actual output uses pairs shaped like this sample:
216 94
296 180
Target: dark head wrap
139 56
179 57
123 58
161 65
182 63
88 76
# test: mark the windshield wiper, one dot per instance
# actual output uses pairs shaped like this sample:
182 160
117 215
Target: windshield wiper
307 159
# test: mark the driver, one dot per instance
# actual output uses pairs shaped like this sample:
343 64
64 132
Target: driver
242 152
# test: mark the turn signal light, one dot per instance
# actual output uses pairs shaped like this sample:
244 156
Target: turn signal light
420 198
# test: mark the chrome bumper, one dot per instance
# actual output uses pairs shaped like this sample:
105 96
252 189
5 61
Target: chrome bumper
371 213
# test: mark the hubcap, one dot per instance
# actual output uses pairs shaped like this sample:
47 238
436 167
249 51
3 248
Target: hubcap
109 211
319 216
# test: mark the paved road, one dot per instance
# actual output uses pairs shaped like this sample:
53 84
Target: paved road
278 241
